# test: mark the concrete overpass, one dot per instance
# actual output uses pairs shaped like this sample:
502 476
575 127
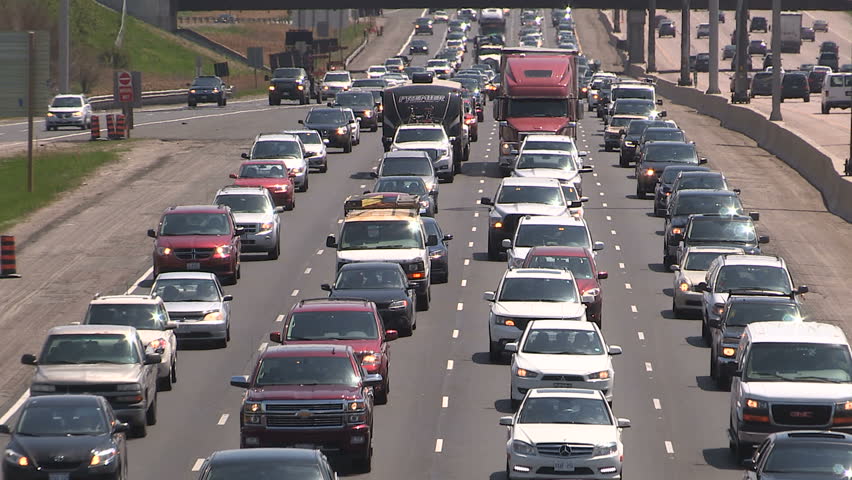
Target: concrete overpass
596 4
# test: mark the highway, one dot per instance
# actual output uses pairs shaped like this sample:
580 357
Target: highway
446 399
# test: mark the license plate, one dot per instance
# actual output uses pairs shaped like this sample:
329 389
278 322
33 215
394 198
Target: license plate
563 466
563 385
59 476
193 266
309 446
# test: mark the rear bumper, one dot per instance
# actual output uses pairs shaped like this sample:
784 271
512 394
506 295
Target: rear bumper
350 440
219 266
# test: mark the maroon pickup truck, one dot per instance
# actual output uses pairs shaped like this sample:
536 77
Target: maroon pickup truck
309 396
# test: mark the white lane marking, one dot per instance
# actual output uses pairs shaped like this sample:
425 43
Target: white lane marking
594 174
479 202
467 261
641 335
362 186
410 36
308 271
479 191
602 194
603 204
472 229
598 184
460 306
487 149
12 411
481 180
223 419
634 309
262 347
197 465
669 447
279 318
475 214
470 244
620 265
439 445
339 220
612 232
445 401
628 286
657 405
609 218
648 367
464 283
319 252
294 293
618 247
450 364
455 334
138 281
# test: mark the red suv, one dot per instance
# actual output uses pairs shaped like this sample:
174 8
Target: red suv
581 262
271 174
309 396
201 238
352 322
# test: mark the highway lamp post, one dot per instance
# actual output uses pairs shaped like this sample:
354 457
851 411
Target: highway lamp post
775 115
684 80
713 71
652 39
64 47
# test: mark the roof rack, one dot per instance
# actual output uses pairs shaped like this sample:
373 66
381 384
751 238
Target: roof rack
381 201
744 292
330 299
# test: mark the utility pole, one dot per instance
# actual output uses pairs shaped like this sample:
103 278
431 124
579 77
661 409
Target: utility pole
684 80
616 21
31 74
652 38
713 88
775 115
64 47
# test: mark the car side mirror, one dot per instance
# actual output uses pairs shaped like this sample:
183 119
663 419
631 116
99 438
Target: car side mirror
663 114
623 423
702 160
431 240
749 464
391 335
239 231
29 359
4 429
583 153
659 101
330 241
448 237
587 298
584 199
803 289
674 268
279 210
738 191
374 175
240 381
120 427
507 421
366 192
755 216
152 233
763 239
171 325
603 275
702 287
737 373
511 347
233 175
486 201
227 298
153 358
275 337
615 350
244 155
372 380
300 122
506 243
598 246
291 174
325 287
488 296
329 104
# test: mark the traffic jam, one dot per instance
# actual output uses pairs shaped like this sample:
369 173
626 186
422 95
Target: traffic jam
311 393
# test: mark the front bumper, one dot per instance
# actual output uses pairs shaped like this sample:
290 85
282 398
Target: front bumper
110 471
352 440
520 385
542 466
204 97
369 122
219 266
612 140
258 242
318 161
288 91
398 319
756 433
646 183
689 300
337 140
56 121
282 198
201 331
503 334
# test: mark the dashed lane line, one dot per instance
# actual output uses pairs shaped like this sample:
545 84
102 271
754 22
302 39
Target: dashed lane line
308 271
649 367
223 419
262 347
294 292
656 402
197 465
445 401
279 318
669 447
439 445
460 306
450 364
464 283
641 335
628 286
634 309
455 333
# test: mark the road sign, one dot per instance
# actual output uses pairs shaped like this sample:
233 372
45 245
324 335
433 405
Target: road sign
125 87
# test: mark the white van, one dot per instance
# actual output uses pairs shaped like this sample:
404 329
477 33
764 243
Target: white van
836 91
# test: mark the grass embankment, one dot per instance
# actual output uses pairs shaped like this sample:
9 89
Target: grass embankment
55 173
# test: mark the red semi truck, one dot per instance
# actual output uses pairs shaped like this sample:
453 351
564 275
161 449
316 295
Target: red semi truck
538 95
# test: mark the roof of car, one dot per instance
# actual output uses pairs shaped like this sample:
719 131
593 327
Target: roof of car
92 330
421 126
250 455
695 171
197 208
316 349
560 251
404 153
263 161
705 192
530 181
241 190
539 273
562 325
126 300
734 298
798 332
382 214
564 220
64 400
810 436
565 392
765 260
667 143
552 138
325 304
547 152
371 266
70 95
714 249
186 275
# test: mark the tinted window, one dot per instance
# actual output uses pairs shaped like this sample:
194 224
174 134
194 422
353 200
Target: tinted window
564 342
355 99
546 160
86 348
337 77
319 370
63 102
678 153
394 184
262 170
701 182
704 204
530 194
521 289
634 107
583 411
722 229
637 127
287 73
369 279
308 138
642 93
581 267
60 420
744 313
187 290
143 317
798 362
369 82
275 149
206 82
753 277
664 135
550 145
380 235
325 116
265 469
811 457
534 107
420 135
245 203
552 236
406 166
332 325
700 260
620 121
195 224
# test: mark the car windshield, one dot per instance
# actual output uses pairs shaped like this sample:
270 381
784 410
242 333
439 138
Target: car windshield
355 99
708 204
700 261
368 82
552 236
620 121
672 152
61 420
537 107
325 116
245 203
701 182
195 224
634 107
414 186
670 174
88 349
490 51
640 93
262 170
666 134
369 279
337 77
378 235
65 102
530 194
637 127
824 459
521 289
287 73
264 469
275 149
581 267
308 370
406 166
187 290
550 145
753 277
741 314
377 69
582 411
206 82
798 362
563 342
437 63
722 230
309 138
420 135
546 160
332 325
142 317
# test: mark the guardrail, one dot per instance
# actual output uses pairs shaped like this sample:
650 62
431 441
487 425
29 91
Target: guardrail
160 97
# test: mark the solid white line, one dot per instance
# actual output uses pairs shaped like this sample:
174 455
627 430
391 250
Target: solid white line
628 286
634 309
439 445
669 447
466 261
657 405
410 36
223 419
279 318
445 401
319 252
12 411
197 466
449 364
139 280
620 265
618 247
641 335
262 347
470 244
648 367
464 283
460 306
472 229
308 271
455 333
295 292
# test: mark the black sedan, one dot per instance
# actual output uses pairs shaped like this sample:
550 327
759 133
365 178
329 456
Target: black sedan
658 155
267 463
663 189
66 437
382 283
332 126
207 89
418 47
439 255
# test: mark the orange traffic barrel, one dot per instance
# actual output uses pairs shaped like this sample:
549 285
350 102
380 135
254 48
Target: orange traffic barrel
110 118
120 126
8 268
96 127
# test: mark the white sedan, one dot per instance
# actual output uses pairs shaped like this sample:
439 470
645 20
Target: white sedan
377 71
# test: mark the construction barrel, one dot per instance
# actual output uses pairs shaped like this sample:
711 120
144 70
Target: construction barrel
8 267
120 126
96 127
110 119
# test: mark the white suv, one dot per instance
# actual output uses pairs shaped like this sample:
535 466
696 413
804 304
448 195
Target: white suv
564 432
562 166
790 376
526 294
559 143
69 110
315 149
433 140
255 212
548 231
693 270
562 354
149 316
285 147
836 91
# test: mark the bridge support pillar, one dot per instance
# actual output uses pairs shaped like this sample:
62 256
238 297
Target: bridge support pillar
713 88
652 37
775 115
685 32
741 56
616 21
636 36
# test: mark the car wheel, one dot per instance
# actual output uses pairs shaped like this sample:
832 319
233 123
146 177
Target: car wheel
304 186
705 332
676 311
292 204
151 413
275 252
639 193
714 370
174 370
324 167
493 251
824 110
348 147
140 430
608 148
364 464
164 384
807 98
192 104
423 301
382 397
475 137
623 162
494 351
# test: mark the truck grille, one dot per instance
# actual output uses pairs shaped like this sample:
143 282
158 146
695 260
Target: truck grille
304 415
563 378
564 449
313 421
801 415
193 253
249 228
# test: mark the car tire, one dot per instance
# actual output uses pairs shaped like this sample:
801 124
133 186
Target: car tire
273 101
608 148
382 397
348 147
739 450
304 186
824 110
705 332
323 168
224 102
495 353
363 465
639 193
807 98
151 413
275 252
192 104
164 384
423 300
475 137
676 311
623 162
139 430
292 205
493 251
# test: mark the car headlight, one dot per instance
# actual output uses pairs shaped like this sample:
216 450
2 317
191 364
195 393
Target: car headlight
424 203
298 170
158 345
398 305
266 227
649 172
272 87
509 322
505 148
719 309
164 251
436 254
523 372
224 250
677 231
103 457
42 387
16 458
371 358
593 292
496 223
280 188
522 448
77 114
729 351
602 375
129 387
356 405
252 407
49 114
756 404
368 114
684 286
215 90
341 130
605 449
628 143
214 316
192 90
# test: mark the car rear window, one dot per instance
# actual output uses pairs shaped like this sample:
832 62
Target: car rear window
332 325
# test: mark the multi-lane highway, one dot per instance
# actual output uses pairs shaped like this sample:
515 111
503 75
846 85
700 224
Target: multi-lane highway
446 398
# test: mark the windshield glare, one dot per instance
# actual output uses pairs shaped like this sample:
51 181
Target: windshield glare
245 203
550 145
824 459
664 135
708 204
275 149
798 362
420 135
393 184
701 182
406 166
753 277
336 325
530 194
634 107
583 411
65 102
620 121
581 267
310 138
535 107
59 420
287 73
206 82
187 290
264 469
700 261
262 170
552 236
142 317
195 224
376 235
679 153
722 230
521 289
744 313
546 160
369 279
86 349
355 99
319 370
563 342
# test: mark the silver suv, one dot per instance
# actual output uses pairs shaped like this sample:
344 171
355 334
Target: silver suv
285 147
315 150
255 212
110 361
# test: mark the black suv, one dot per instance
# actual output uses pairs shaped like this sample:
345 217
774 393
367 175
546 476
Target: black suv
423 26
723 230
802 454
418 46
758 24
332 126
795 85
686 203
292 83
207 89
363 105
656 156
